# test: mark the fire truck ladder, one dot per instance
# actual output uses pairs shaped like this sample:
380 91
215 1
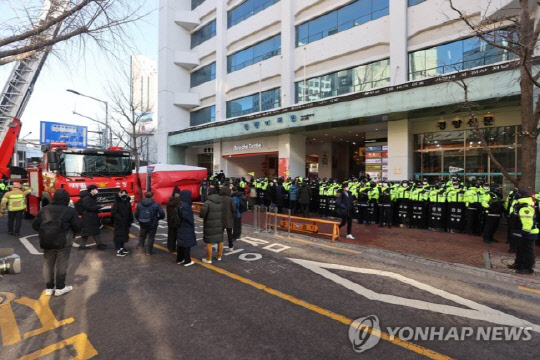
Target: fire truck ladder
20 83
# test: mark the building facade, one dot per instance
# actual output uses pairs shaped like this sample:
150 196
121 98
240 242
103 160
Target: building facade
336 88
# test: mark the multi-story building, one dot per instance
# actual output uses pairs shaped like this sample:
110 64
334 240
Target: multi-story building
335 88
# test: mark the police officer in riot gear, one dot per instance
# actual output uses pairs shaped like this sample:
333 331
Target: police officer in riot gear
455 220
492 208
386 206
403 205
437 208
525 232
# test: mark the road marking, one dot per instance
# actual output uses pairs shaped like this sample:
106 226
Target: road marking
44 313
529 289
80 343
330 314
317 244
476 311
8 325
29 246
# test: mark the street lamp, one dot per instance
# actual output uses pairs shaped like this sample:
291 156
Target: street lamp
107 127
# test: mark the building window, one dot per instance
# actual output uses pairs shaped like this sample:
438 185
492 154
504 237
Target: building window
444 153
347 81
204 74
351 15
202 116
195 3
265 100
459 55
415 2
205 33
254 54
246 10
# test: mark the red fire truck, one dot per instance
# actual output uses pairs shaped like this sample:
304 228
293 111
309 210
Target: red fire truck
75 169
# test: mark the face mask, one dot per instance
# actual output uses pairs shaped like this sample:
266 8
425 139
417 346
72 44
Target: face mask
456 187
404 185
346 189
486 187
124 196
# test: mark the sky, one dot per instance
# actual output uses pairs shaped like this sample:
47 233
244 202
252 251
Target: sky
89 72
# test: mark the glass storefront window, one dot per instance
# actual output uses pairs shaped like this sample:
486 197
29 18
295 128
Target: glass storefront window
432 163
494 136
443 139
436 152
476 162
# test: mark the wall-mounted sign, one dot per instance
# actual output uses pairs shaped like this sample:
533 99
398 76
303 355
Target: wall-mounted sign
374 154
247 147
72 135
371 141
373 168
373 161
373 148
385 147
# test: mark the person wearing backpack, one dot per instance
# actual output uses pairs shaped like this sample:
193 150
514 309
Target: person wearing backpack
240 203
91 223
148 213
123 218
293 198
172 207
185 238
53 223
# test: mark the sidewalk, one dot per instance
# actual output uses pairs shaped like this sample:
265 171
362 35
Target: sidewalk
453 248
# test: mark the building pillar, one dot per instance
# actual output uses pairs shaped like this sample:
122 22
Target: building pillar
400 150
292 155
177 154
325 160
399 68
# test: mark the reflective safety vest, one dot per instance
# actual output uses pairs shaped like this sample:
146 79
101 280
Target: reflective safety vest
455 195
471 196
3 187
437 196
528 220
374 193
15 200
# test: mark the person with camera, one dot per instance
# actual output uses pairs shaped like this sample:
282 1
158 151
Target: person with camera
53 223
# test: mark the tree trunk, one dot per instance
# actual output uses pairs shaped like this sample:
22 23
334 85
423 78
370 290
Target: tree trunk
528 127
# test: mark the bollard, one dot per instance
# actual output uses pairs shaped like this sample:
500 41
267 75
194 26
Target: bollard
275 221
289 224
266 208
255 217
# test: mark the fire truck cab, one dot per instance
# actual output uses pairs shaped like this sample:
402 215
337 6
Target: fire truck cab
74 170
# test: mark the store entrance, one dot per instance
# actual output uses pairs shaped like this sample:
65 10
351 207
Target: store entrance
265 165
344 152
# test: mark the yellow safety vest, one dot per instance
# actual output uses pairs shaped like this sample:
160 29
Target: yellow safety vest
15 200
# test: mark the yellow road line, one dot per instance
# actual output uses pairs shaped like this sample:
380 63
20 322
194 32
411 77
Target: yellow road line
80 343
330 314
529 289
317 244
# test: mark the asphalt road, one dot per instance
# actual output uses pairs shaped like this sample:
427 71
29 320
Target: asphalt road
272 298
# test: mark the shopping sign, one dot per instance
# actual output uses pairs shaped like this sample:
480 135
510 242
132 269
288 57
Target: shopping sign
72 135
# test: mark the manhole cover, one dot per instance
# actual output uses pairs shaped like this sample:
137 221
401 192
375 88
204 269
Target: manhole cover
499 262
